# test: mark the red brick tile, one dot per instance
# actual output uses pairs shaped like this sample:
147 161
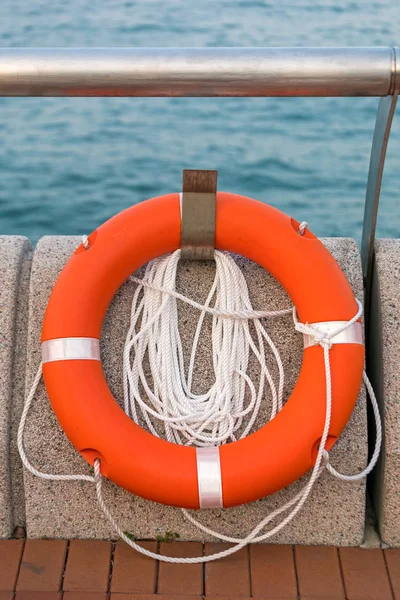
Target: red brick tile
88 566
42 566
328 597
85 596
272 570
38 596
181 578
238 598
318 572
392 557
156 597
364 573
133 572
229 576
10 558
177 597
7 595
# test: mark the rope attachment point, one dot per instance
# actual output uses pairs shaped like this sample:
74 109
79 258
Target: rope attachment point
302 227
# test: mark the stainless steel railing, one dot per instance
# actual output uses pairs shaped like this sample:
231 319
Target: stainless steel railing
221 72
198 72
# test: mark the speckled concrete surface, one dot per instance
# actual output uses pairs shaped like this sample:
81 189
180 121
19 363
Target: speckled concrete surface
15 258
333 515
386 364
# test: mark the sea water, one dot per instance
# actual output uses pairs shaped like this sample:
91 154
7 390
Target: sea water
68 164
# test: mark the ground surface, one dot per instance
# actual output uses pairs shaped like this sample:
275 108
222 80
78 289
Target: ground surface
101 570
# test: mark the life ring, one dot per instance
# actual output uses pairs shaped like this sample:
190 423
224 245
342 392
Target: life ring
239 472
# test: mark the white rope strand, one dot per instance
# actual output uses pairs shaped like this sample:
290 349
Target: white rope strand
20 440
378 440
217 416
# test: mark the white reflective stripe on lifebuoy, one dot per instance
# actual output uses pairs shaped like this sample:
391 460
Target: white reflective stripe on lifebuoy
70 349
209 477
350 335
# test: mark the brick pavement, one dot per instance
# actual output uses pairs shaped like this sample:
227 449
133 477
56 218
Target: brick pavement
102 570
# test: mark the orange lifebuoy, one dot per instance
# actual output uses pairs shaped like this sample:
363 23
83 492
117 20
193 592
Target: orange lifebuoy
256 466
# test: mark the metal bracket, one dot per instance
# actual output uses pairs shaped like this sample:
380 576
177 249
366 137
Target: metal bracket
384 117
199 189
383 124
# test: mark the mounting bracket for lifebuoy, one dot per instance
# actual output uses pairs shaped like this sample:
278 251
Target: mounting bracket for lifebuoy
199 189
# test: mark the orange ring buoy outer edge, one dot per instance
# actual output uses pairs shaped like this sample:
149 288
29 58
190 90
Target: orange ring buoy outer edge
277 454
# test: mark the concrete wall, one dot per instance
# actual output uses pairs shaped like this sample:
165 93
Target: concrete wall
15 260
384 362
333 515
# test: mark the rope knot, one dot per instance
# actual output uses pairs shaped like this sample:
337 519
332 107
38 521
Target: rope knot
321 338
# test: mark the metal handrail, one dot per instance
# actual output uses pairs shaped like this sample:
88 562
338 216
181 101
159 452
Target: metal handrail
368 71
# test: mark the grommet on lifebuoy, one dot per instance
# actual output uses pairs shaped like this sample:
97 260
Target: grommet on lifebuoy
239 472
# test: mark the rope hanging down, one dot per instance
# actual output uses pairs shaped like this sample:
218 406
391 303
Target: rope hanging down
217 416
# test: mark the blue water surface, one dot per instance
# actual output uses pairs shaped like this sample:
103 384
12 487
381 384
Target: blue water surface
68 164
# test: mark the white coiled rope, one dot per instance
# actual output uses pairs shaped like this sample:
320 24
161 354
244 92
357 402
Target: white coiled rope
217 416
